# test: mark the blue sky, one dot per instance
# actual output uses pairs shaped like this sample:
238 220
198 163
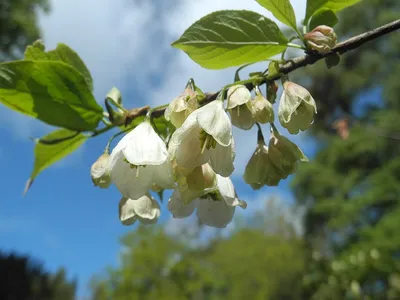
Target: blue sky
64 220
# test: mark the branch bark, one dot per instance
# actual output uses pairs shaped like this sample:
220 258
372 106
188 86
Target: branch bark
310 58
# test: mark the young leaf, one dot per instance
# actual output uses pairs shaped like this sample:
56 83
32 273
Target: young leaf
323 17
282 10
47 153
230 38
50 91
273 68
62 53
314 6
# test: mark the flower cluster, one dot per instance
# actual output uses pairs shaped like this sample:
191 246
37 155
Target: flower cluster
198 158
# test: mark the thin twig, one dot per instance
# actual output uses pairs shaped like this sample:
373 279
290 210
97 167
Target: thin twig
311 58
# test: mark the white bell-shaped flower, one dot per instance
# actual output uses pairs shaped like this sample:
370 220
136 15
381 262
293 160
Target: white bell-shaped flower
215 208
262 109
139 162
100 173
192 184
260 170
296 108
239 98
181 107
205 136
145 209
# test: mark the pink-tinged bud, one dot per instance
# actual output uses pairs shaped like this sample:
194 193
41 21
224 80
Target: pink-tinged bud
321 39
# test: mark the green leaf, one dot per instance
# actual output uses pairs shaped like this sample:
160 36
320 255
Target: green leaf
230 38
323 17
282 10
314 6
273 68
162 126
62 53
50 91
47 152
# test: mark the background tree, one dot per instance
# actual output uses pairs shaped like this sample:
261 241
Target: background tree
19 25
353 184
22 277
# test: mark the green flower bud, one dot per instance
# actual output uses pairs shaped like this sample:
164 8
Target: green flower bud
322 39
239 98
262 109
284 154
296 108
99 172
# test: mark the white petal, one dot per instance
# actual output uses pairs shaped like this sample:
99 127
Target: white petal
221 159
214 120
242 117
238 95
178 208
214 213
127 213
162 175
228 192
125 179
188 152
145 209
145 147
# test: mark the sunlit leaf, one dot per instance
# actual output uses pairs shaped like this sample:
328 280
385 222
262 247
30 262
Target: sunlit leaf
52 148
230 38
323 17
282 10
62 53
50 91
314 6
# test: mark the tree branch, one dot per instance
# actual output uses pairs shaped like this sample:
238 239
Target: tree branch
311 58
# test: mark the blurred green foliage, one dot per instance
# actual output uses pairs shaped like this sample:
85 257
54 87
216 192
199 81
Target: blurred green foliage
352 186
19 25
252 262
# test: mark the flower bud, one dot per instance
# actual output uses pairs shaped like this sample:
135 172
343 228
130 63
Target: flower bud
239 98
296 108
100 173
284 154
261 109
181 107
322 39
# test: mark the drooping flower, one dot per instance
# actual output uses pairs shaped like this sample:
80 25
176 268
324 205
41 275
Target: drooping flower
261 109
260 170
284 154
238 99
139 162
215 208
322 39
296 108
100 173
145 209
205 136
181 107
